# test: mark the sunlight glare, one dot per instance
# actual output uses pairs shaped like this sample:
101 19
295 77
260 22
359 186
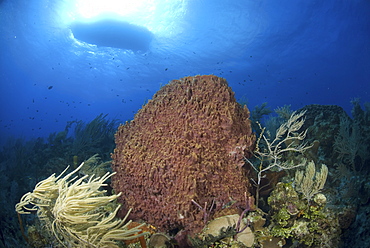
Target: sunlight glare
93 8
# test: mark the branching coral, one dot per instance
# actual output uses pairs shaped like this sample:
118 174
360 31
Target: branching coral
288 139
74 209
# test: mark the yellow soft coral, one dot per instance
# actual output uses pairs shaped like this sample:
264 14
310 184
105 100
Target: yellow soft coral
74 209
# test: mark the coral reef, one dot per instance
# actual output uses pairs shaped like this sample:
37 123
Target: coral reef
293 212
186 145
293 220
293 216
322 122
344 148
274 153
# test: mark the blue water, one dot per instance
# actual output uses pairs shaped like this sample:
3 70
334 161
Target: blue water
280 52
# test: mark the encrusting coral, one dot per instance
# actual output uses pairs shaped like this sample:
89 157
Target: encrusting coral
74 210
181 159
293 221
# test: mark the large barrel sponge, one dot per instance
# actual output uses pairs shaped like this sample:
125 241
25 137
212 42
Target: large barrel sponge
188 142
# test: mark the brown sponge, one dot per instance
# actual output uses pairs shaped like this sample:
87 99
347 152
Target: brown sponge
185 144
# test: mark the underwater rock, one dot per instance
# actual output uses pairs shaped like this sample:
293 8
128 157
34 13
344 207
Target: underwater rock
216 226
185 146
160 240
